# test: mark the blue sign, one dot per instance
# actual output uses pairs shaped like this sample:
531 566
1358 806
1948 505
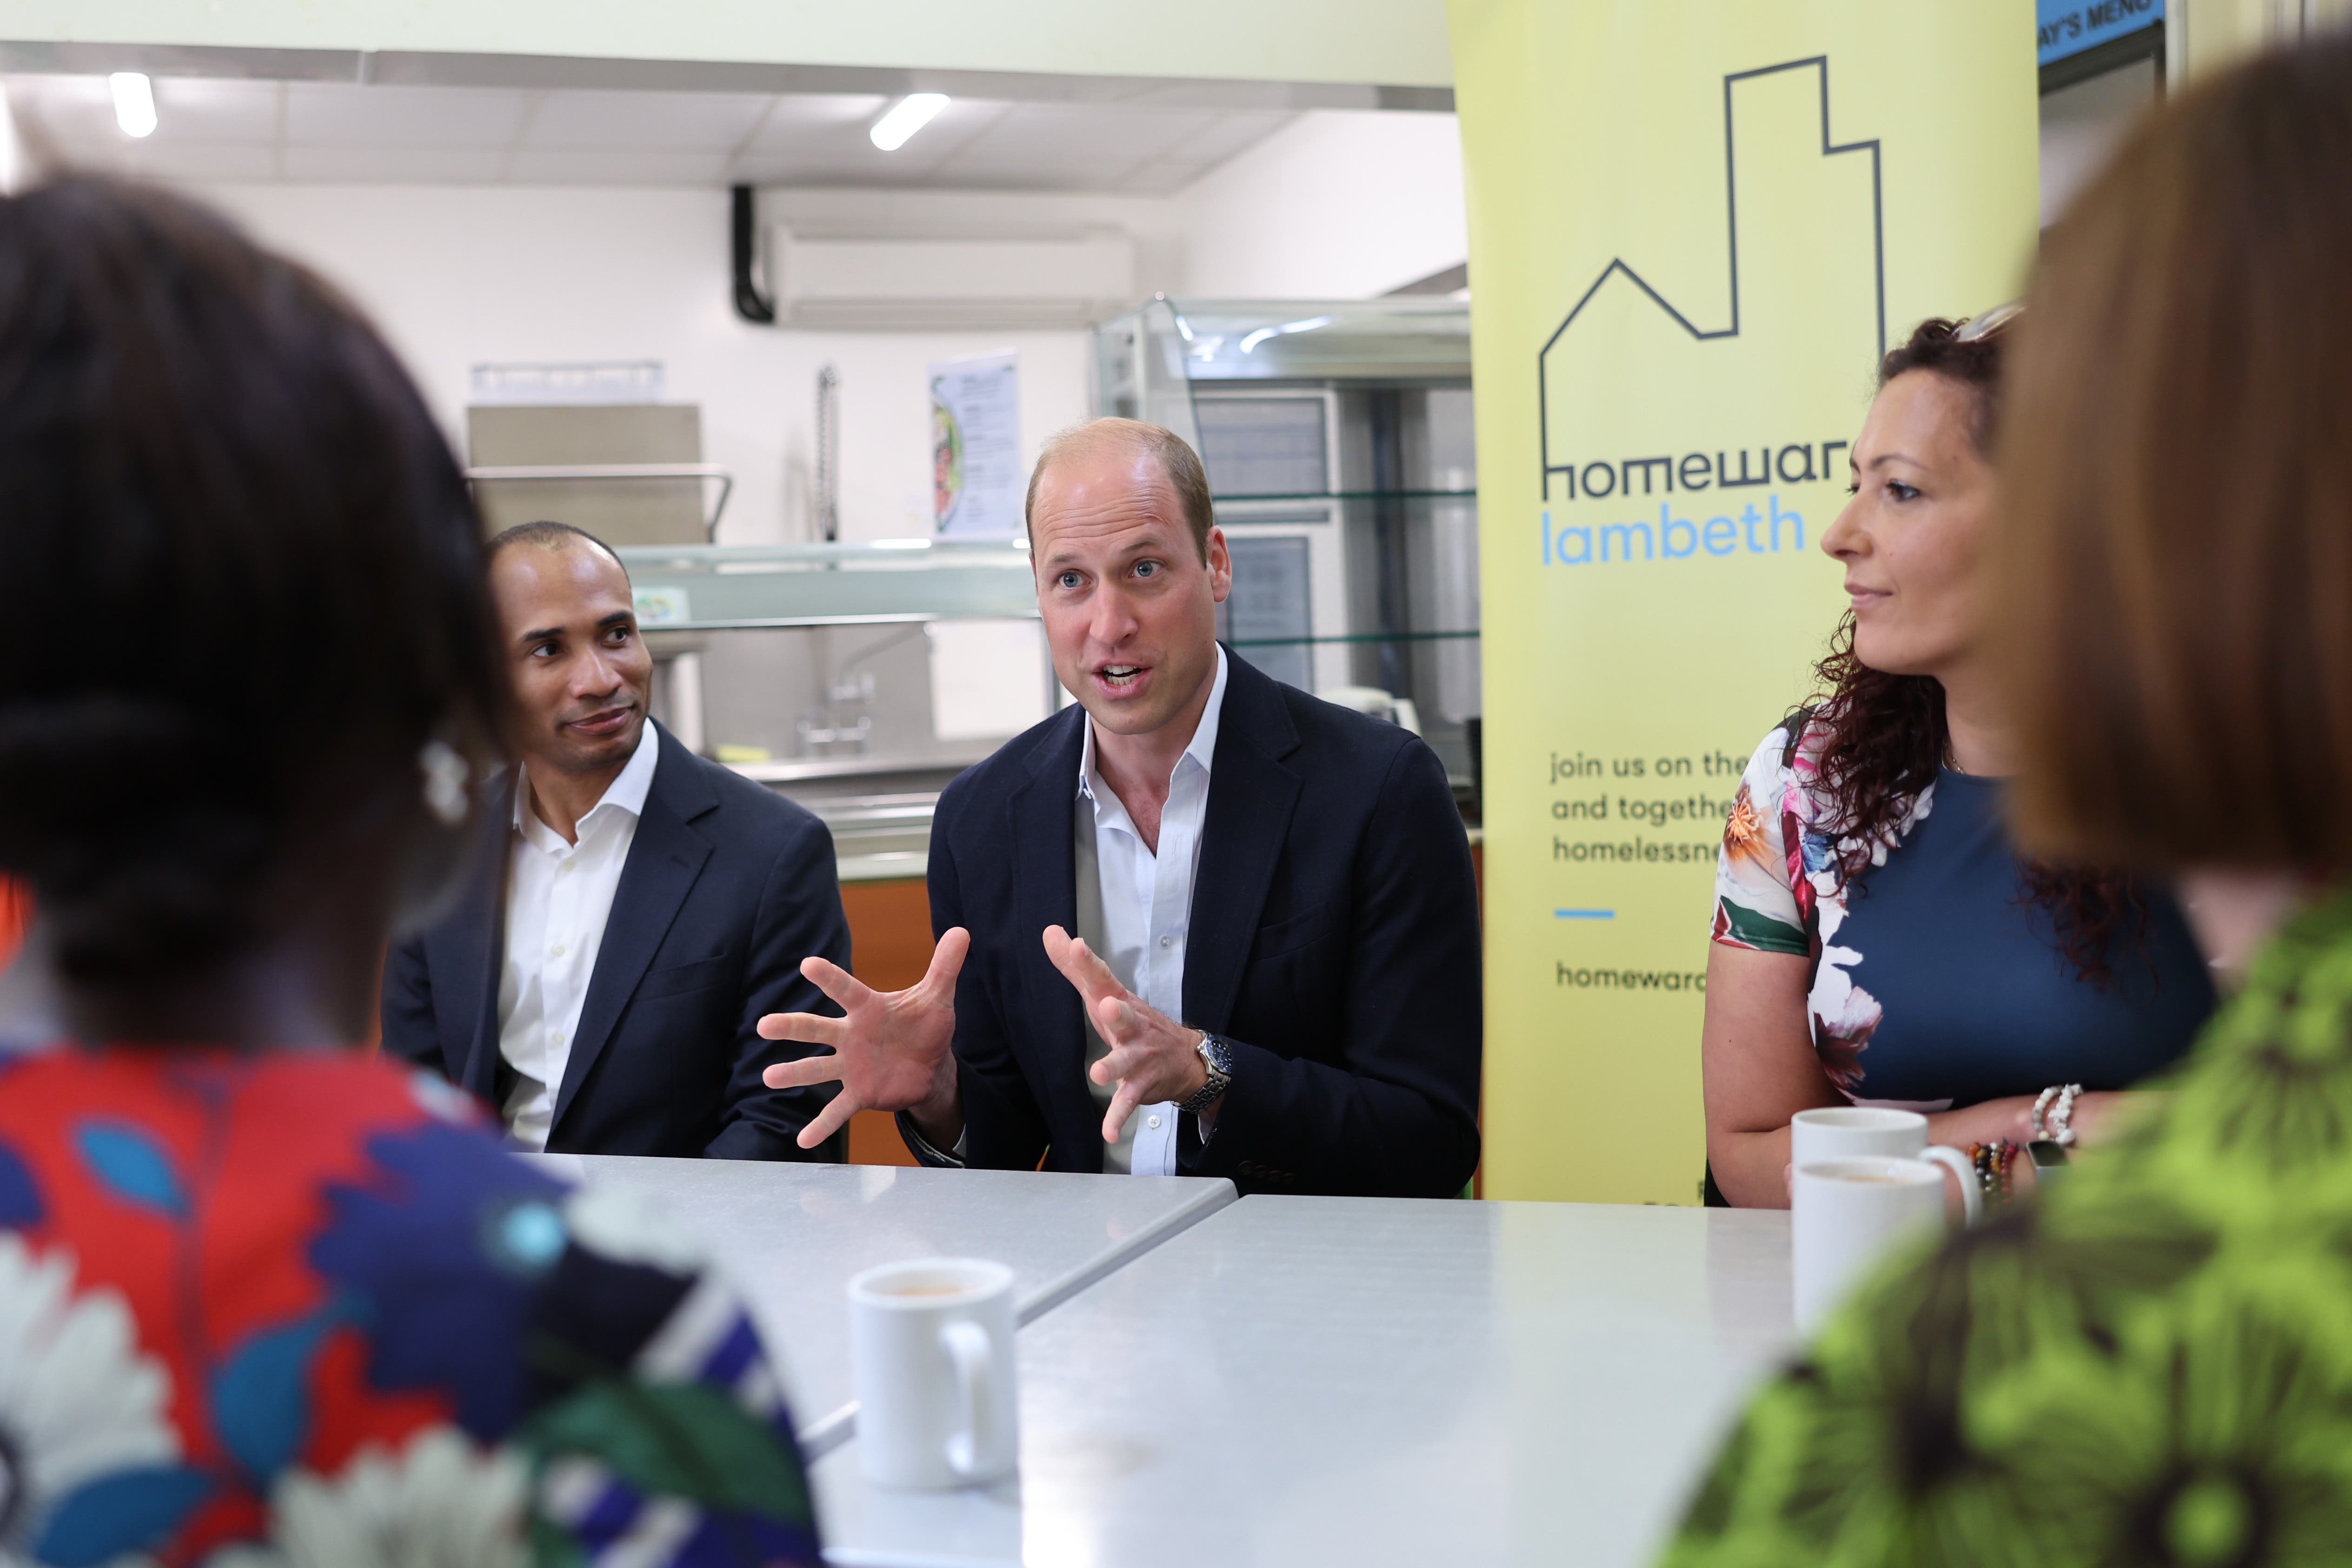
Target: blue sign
2070 26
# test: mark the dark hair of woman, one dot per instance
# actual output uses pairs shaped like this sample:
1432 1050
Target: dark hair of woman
248 593
1884 736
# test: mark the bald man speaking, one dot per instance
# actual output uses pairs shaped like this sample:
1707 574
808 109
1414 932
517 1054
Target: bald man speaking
1199 923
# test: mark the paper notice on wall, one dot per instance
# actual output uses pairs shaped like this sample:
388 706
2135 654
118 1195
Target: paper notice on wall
977 480
988 679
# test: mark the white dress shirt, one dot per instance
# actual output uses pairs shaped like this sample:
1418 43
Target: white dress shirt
1147 911
559 896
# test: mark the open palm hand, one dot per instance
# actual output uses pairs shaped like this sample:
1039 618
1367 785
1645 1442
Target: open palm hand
889 1050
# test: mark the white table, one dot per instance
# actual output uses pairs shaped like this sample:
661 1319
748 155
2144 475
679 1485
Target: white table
1339 1380
791 1235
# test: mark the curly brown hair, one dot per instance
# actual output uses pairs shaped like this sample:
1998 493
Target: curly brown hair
1880 737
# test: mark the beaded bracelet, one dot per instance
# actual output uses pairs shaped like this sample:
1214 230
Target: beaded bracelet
2057 1103
1993 1162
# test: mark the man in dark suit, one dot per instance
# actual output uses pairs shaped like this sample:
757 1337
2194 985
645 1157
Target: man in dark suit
1274 975
638 908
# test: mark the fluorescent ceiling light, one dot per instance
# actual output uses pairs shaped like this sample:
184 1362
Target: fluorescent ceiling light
906 117
134 102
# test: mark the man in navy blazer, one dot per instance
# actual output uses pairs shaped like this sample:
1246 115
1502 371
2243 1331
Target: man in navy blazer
637 912
1274 975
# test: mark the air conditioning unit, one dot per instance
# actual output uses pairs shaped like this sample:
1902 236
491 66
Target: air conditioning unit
949 283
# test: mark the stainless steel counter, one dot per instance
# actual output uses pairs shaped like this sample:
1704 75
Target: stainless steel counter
1366 1381
879 810
880 815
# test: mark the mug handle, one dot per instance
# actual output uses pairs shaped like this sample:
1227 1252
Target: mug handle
966 1343
1960 1165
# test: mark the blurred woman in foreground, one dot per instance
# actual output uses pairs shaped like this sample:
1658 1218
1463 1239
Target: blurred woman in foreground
265 1300
2154 1363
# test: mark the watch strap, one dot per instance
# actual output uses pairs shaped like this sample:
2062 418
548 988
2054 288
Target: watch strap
1216 1059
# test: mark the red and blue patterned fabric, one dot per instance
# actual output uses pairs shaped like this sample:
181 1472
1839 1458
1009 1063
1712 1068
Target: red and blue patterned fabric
301 1309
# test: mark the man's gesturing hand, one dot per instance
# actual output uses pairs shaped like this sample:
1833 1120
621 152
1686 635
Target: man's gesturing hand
1151 1058
890 1052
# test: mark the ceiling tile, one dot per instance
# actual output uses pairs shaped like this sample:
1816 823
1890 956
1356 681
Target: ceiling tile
1058 135
799 113
1161 177
837 151
215 110
574 166
702 121
343 115
157 159
1222 135
396 165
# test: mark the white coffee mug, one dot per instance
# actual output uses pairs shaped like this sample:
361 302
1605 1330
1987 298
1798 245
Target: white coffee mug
1859 1131
931 1351
1850 1213
1853 1131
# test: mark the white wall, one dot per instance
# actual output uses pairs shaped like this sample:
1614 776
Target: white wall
460 275
1339 204
1336 205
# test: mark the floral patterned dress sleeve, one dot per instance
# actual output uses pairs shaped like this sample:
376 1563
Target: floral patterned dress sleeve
301 1310
1761 901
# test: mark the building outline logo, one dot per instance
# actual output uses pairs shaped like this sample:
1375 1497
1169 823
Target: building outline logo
1617 264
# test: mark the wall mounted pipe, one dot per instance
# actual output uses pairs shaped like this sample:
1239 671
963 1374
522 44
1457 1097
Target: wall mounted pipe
750 303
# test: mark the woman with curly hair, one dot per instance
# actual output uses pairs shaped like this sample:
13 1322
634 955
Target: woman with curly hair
1877 939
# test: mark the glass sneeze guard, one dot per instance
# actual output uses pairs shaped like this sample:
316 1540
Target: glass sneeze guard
694 588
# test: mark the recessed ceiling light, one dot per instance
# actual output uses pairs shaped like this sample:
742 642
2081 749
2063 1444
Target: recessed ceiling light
906 117
134 102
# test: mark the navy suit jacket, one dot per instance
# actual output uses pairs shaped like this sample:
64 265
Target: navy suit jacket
728 886
1333 940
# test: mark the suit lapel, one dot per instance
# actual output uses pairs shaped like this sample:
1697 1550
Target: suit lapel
1045 893
1250 797
463 950
665 858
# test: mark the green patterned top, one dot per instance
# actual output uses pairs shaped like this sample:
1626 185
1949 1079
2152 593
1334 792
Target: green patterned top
2153 1366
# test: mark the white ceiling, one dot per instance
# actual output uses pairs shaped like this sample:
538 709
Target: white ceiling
222 129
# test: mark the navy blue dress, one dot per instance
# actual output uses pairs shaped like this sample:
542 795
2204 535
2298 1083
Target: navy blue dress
1938 980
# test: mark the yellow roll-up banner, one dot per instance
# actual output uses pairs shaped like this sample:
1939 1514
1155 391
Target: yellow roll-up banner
1695 225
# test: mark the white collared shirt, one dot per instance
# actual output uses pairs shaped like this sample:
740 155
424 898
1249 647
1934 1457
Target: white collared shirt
559 897
1147 906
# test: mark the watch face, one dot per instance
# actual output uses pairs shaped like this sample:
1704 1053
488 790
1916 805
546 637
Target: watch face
1213 1052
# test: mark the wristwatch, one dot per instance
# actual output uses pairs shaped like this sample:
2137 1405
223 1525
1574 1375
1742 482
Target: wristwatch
2049 1157
1218 1057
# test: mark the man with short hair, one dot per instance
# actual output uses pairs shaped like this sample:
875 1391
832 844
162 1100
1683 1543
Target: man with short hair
600 981
1199 923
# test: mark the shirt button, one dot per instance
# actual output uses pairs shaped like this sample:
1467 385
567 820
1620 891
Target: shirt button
558 1036
562 867
1151 1122
557 949
1167 941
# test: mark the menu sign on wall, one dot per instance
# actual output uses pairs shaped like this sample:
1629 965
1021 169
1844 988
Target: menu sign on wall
2069 27
977 480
